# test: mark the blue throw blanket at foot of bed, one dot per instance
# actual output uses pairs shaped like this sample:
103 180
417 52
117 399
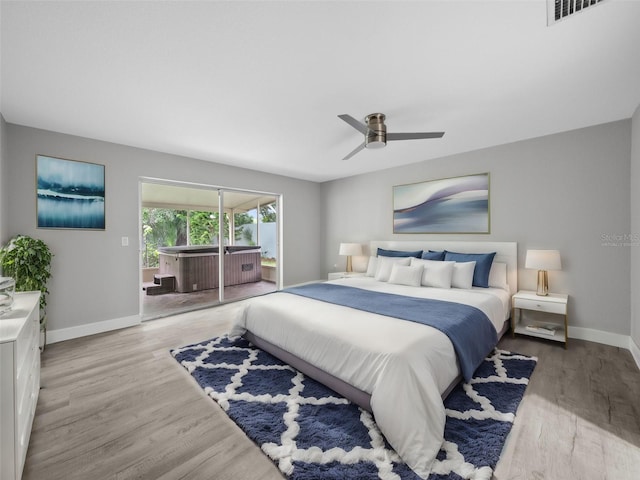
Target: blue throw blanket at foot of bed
471 332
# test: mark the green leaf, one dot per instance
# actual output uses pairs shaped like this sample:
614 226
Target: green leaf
28 261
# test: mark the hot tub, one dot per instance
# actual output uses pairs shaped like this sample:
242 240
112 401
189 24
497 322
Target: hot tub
195 267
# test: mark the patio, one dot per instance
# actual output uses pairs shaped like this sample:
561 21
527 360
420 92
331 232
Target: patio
157 306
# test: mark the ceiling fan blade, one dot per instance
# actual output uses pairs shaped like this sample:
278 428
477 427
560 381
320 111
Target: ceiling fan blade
361 127
356 150
413 136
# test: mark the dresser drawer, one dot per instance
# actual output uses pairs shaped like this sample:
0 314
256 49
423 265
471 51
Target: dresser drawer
27 386
540 306
25 412
25 341
19 381
26 408
27 350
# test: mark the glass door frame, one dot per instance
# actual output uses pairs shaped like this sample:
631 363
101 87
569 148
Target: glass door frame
221 229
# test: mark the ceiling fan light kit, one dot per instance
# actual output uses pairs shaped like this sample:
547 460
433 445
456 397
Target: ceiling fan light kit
375 132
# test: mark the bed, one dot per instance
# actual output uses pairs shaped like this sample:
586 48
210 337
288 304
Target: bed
400 370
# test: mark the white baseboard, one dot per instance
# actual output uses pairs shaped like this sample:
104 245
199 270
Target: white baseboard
599 336
607 338
635 351
62 334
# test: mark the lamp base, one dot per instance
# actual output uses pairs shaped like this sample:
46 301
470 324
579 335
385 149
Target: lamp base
349 266
543 283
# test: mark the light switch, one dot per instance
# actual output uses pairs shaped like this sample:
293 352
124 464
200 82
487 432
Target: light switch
125 241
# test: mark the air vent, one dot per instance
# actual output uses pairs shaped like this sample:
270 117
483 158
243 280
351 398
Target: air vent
560 9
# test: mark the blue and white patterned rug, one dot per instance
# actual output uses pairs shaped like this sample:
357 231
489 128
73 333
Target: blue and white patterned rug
312 433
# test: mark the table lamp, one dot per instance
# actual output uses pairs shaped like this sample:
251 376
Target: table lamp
542 260
350 249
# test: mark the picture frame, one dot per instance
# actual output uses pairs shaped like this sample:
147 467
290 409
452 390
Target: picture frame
447 205
70 194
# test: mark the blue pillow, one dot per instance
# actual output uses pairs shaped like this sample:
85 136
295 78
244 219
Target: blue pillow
431 255
483 265
398 253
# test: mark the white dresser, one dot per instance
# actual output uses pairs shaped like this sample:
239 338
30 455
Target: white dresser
19 381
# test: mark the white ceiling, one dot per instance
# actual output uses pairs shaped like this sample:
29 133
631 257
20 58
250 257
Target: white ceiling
260 84
162 195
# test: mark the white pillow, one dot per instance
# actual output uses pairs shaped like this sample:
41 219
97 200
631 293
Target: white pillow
498 276
435 273
371 267
385 264
409 275
463 274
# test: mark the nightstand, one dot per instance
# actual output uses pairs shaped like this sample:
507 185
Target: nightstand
550 326
337 275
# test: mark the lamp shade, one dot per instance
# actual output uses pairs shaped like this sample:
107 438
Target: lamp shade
543 260
350 249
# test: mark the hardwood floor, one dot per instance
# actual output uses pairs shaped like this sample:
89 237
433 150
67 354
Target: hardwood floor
114 406
117 406
580 417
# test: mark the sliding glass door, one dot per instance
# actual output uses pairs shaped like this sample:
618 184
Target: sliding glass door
203 245
254 221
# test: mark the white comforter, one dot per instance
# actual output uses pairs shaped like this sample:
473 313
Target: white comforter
404 366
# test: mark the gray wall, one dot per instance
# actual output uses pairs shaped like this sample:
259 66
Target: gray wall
568 191
635 228
94 277
3 187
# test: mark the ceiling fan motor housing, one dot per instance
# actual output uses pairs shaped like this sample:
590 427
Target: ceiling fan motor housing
377 134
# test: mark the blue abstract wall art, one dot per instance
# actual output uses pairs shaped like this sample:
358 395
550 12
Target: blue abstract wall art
70 194
449 205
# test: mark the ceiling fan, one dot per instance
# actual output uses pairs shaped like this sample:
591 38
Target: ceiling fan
375 132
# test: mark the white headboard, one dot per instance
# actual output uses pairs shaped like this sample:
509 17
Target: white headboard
506 252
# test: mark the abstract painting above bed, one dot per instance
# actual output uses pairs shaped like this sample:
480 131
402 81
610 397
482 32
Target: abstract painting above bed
448 205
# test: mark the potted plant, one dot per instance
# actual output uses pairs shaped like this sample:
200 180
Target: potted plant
28 261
